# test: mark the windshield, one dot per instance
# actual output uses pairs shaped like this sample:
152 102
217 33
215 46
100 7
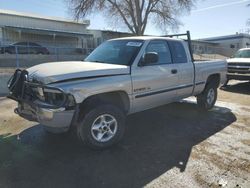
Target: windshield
243 54
120 52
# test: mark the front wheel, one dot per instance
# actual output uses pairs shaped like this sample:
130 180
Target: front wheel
207 98
102 126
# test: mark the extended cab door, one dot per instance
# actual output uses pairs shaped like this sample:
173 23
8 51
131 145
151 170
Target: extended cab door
180 58
155 84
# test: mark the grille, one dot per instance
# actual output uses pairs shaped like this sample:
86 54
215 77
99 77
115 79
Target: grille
239 64
240 68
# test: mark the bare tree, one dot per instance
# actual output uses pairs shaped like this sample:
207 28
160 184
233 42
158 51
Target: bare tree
135 14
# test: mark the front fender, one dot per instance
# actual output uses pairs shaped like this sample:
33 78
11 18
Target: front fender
82 89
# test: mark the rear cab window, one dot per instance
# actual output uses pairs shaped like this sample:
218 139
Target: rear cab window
178 52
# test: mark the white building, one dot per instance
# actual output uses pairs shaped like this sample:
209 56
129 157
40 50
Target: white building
47 31
228 45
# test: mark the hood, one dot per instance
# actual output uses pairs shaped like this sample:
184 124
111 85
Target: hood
61 71
238 60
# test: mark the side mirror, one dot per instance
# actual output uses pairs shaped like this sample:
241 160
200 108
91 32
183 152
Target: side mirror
149 58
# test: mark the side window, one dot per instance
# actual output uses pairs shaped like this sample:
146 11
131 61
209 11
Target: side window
33 44
178 52
162 49
21 44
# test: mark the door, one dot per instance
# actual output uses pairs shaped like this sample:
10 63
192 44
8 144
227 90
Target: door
35 48
155 84
185 67
22 47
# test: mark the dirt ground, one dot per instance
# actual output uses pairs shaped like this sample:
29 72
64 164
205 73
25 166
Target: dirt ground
170 146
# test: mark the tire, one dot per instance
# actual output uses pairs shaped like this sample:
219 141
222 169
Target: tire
102 126
207 98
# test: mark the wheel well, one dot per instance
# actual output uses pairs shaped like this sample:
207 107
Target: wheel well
214 79
117 98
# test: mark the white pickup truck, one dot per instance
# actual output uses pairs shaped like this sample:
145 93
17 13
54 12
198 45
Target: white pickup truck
239 65
120 77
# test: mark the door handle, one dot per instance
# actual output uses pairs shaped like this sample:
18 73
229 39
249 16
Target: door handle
174 71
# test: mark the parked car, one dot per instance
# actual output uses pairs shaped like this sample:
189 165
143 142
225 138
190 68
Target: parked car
120 77
239 65
24 48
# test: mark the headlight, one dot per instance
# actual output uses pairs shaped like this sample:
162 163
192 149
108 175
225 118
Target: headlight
54 97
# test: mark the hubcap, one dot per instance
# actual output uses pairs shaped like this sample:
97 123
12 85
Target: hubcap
104 128
210 96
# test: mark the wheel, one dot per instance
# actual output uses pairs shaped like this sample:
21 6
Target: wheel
101 126
207 98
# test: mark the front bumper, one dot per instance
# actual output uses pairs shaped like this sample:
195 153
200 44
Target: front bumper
58 120
49 106
236 76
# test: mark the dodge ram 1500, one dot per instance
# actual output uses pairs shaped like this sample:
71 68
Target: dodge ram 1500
120 77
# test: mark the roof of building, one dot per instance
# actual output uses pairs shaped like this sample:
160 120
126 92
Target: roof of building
31 15
205 42
46 31
227 37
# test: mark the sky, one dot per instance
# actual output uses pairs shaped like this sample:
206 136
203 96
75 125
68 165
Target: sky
209 18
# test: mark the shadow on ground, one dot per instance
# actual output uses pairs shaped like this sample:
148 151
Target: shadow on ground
241 87
155 141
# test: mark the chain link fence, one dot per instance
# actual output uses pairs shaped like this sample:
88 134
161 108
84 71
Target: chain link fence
27 54
23 56
213 53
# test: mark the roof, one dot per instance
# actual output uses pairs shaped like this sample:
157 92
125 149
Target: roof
244 49
227 37
30 15
110 31
146 38
46 31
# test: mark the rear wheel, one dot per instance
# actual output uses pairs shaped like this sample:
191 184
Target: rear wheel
101 126
207 98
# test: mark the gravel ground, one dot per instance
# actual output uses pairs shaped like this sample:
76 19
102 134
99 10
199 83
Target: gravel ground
170 146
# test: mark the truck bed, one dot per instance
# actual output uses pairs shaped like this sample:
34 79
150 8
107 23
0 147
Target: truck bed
205 68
